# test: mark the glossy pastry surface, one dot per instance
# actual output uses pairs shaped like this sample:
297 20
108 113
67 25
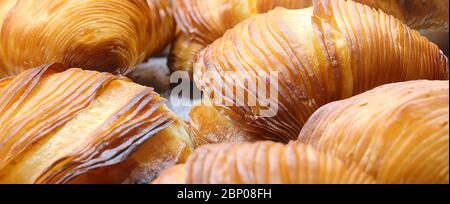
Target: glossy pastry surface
398 133
79 126
262 163
202 22
332 51
111 36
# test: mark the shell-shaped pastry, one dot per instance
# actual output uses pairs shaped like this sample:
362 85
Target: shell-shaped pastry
201 22
84 127
398 133
332 51
263 163
111 36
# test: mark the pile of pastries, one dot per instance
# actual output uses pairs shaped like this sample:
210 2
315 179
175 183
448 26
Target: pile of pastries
362 96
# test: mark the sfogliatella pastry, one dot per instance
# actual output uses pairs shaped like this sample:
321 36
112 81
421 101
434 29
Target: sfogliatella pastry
332 51
80 126
110 36
202 22
394 134
262 163
398 133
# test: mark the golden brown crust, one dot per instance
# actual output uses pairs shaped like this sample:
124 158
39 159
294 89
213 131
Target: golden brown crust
183 53
418 14
205 21
75 34
398 133
332 51
56 126
263 163
160 152
202 22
